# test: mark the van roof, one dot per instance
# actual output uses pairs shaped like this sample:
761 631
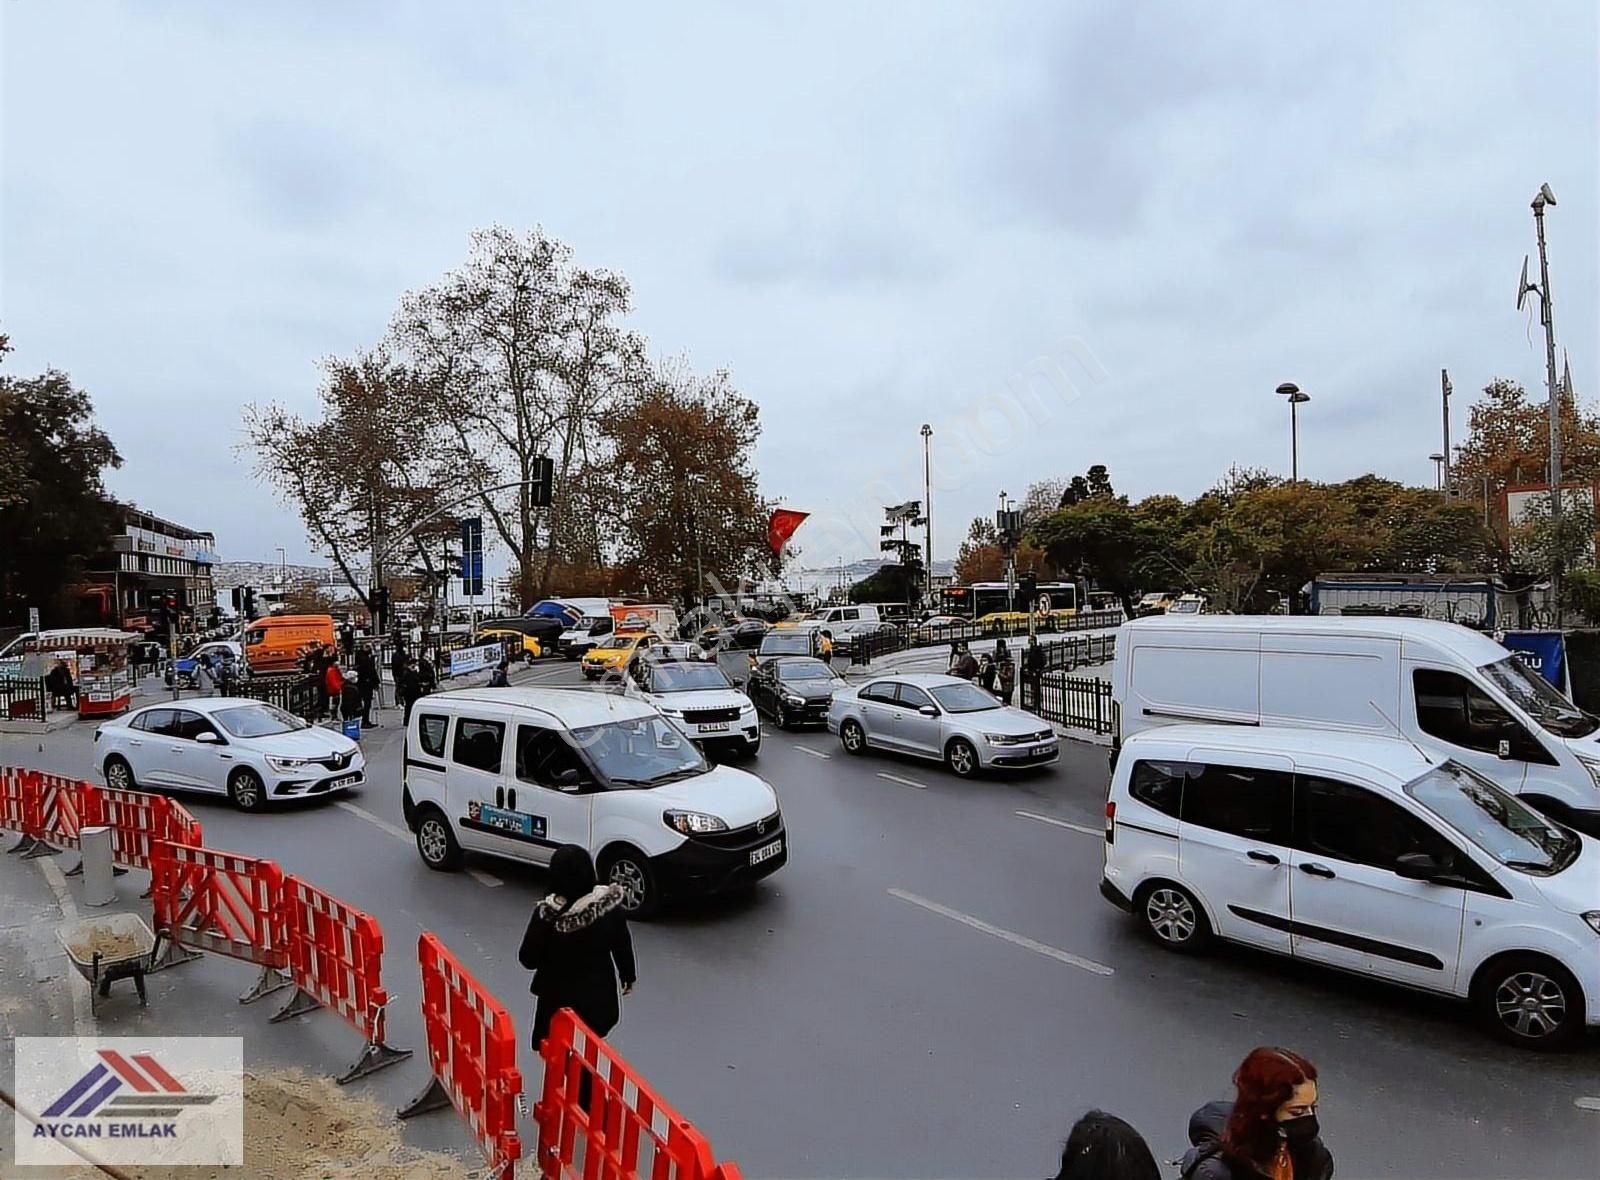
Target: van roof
291 621
573 707
1390 759
1471 645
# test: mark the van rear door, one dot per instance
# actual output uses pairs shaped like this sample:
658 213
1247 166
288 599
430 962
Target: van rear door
1337 681
1191 674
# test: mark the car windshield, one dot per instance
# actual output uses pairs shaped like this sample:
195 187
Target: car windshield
643 752
688 677
805 670
1538 698
788 642
1500 824
253 721
963 698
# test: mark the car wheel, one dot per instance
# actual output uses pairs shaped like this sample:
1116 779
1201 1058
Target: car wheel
630 872
246 790
961 758
853 737
436 843
119 775
1530 1001
1172 917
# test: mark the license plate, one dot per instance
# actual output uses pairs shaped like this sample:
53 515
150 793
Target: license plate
344 780
767 853
715 727
1042 751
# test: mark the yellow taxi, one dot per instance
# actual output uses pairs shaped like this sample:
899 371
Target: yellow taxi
531 650
613 654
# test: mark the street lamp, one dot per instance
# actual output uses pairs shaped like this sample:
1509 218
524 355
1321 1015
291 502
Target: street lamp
1438 470
1292 391
927 506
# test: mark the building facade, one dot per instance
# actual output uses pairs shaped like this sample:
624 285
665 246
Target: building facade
151 557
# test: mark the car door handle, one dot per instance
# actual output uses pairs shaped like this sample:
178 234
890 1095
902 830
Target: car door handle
1265 858
1317 870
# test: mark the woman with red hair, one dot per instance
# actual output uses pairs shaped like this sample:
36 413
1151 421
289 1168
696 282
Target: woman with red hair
1268 1130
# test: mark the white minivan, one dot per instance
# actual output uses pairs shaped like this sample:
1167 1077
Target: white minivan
1453 691
518 772
1362 854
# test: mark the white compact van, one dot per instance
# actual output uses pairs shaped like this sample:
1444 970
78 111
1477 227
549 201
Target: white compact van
1454 692
518 772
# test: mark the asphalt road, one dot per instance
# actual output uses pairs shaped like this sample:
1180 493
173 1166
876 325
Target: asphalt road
933 986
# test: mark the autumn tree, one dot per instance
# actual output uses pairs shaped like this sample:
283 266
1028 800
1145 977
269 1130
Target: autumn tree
55 516
1508 441
681 462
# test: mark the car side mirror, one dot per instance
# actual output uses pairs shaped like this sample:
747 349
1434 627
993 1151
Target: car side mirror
1417 866
928 710
566 780
209 738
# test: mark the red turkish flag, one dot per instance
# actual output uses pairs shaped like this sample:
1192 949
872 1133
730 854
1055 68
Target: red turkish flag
782 525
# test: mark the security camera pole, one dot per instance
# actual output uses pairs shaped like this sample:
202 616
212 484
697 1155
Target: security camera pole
1547 317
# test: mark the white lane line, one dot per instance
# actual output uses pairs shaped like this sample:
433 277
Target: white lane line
383 824
1061 823
488 880
1587 1104
904 782
809 750
1022 940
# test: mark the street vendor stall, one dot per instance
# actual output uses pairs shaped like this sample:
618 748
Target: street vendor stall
97 657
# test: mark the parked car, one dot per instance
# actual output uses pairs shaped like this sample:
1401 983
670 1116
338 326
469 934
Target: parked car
610 657
579 639
518 772
525 645
785 643
943 718
1365 854
698 698
254 753
1454 692
793 690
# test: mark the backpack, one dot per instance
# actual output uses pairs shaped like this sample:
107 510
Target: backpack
1209 1151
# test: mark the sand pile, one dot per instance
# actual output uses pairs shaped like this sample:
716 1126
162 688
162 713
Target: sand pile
108 944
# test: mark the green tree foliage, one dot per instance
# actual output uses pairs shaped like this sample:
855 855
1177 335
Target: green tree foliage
54 514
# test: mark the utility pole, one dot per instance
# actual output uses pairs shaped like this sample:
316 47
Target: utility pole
1444 392
927 507
1547 318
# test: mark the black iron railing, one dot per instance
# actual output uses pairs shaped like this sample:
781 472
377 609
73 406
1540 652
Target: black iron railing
1077 702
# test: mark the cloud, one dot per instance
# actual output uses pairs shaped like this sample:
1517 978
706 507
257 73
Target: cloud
838 255
304 174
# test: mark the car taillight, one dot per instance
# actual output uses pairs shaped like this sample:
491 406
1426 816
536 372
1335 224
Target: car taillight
1111 822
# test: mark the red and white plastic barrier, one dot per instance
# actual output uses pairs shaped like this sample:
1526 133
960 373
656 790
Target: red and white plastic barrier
221 902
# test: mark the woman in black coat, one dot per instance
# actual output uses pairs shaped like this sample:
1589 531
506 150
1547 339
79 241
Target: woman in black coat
1270 1128
577 945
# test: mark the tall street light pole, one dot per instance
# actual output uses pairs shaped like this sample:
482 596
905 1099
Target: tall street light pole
1547 317
1444 393
927 506
1296 398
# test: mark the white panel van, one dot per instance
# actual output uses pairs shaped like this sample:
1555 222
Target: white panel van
1453 691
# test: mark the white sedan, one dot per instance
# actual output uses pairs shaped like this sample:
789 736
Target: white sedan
253 752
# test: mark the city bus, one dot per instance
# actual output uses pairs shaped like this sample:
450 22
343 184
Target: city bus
988 598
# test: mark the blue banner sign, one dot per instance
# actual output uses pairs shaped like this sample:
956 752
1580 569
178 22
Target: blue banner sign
1543 651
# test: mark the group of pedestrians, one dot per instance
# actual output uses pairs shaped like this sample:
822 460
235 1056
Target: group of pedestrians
1268 1131
996 674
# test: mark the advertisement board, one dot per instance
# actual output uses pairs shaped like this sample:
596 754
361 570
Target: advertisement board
475 659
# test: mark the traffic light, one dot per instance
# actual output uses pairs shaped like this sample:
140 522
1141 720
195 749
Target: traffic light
249 601
238 599
158 613
380 610
541 487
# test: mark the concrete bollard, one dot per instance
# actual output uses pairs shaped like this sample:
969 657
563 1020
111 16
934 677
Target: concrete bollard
94 845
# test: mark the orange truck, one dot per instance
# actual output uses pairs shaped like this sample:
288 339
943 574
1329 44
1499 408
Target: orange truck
635 617
276 643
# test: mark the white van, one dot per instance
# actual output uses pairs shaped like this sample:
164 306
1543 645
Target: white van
835 616
1455 692
1361 854
588 631
518 772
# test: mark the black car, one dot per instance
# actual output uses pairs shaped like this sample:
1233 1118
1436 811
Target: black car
793 690
748 633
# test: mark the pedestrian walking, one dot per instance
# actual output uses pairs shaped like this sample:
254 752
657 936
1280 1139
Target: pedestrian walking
397 662
498 678
1269 1129
986 673
333 684
409 687
578 947
367 678
955 657
1103 1147
205 676
1006 676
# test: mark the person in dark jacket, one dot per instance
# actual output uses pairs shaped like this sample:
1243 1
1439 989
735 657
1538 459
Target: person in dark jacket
499 678
62 689
350 696
367 678
986 673
409 685
427 674
1104 1147
578 947
1270 1128
1005 676
966 664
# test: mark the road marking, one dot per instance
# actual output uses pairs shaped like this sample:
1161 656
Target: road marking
486 879
904 782
385 825
1587 1104
1061 823
1022 940
809 750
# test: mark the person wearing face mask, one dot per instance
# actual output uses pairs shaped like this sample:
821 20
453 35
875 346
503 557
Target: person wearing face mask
1269 1129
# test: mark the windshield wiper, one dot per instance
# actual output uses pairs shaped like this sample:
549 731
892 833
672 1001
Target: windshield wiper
668 776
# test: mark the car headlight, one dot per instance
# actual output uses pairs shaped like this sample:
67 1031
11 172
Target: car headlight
1592 767
790 698
693 823
287 763
1005 739
1593 918
667 711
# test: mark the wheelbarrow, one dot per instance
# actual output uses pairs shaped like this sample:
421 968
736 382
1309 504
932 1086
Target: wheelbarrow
117 946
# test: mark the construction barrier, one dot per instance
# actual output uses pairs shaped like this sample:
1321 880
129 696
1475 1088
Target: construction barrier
178 824
472 1053
336 961
598 1118
137 820
18 788
224 903
66 806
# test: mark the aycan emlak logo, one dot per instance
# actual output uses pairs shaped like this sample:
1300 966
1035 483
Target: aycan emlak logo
169 1100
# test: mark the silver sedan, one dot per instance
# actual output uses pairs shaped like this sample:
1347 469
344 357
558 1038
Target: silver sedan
940 717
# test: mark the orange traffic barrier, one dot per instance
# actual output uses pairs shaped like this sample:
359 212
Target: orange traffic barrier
336 961
224 903
18 787
64 805
599 1119
136 820
472 1053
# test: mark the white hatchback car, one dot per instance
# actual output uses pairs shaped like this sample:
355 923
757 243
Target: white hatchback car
253 752
1361 854
699 699
518 772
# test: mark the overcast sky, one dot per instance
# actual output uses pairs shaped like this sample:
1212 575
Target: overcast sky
1138 218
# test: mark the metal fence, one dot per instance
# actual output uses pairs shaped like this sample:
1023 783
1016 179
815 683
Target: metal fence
1078 702
22 698
295 694
866 647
